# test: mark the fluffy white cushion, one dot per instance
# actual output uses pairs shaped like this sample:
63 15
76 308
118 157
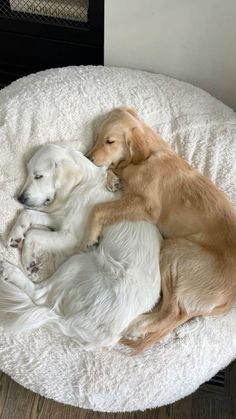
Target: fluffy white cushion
61 106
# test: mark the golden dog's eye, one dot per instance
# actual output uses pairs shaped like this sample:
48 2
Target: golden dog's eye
109 141
38 177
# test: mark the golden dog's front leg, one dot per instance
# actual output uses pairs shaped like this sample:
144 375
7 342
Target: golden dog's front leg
127 208
92 232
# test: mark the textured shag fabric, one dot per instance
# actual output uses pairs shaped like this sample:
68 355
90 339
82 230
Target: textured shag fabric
63 105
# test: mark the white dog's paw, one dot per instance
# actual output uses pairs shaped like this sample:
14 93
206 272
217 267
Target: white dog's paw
33 270
12 274
4 272
33 266
8 270
16 236
30 260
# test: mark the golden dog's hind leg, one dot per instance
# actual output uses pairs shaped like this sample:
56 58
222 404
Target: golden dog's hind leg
191 287
150 328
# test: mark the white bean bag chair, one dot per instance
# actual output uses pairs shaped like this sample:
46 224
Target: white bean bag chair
61 106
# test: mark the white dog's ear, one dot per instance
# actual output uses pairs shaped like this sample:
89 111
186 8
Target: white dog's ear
67 176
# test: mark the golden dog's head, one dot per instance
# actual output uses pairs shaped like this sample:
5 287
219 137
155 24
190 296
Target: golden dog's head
121 140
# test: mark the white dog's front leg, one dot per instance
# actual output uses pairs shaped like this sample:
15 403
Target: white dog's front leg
26 220
48 241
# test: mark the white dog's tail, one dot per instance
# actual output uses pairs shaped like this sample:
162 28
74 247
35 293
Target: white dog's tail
19 313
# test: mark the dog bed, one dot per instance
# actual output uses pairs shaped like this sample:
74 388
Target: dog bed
63 106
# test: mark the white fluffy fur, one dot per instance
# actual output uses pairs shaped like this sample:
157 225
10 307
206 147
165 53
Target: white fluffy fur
92 297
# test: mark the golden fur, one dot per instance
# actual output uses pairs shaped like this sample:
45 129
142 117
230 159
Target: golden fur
198 257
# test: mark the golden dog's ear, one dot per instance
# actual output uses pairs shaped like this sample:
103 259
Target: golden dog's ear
138 145
67 176
131 111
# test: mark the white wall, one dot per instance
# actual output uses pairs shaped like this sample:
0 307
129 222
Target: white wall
192 40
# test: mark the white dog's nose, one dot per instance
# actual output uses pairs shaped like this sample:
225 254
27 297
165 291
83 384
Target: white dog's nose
22 199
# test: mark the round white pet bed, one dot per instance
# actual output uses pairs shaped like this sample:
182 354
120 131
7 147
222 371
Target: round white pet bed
62 106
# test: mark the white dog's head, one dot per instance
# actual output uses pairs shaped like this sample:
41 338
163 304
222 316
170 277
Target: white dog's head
53 172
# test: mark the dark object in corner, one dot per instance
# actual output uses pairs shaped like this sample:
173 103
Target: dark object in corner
39 34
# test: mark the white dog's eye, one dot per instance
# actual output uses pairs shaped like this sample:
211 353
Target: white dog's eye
38 177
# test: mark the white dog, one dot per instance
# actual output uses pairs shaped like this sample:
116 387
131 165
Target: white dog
92 297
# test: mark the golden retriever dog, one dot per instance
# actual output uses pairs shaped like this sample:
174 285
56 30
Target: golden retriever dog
196 219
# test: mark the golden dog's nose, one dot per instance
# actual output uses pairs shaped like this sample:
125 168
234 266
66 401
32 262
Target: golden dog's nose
90 158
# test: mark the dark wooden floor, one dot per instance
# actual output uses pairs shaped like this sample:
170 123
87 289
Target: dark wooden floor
209 402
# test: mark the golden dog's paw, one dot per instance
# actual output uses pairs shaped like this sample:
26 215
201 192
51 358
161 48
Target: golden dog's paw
113 183
133 333
89 244
137 329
